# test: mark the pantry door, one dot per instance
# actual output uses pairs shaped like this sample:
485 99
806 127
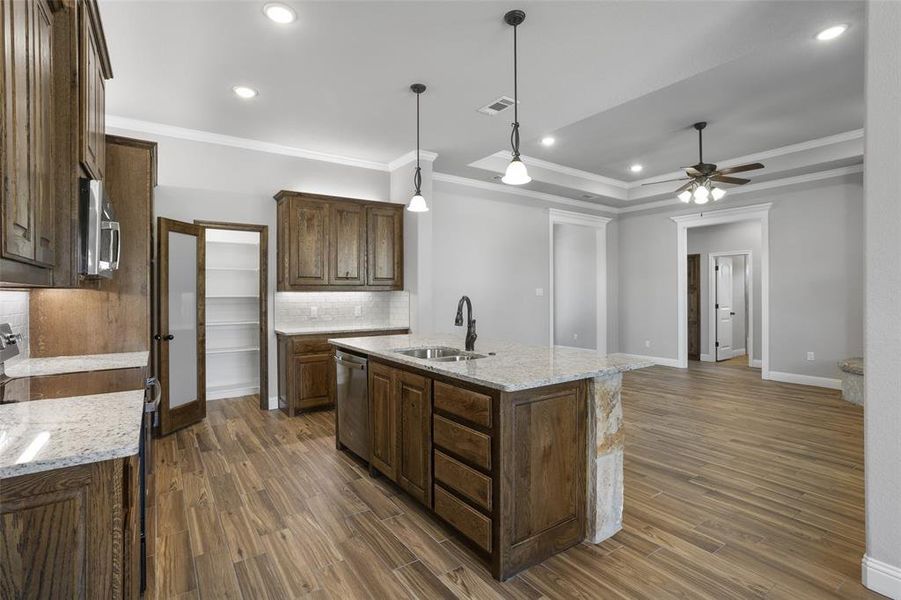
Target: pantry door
725 311
181 338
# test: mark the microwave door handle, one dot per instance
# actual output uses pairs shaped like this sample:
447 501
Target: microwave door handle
115 243
118 233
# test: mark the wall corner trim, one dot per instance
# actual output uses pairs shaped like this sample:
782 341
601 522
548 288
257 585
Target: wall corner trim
657 360
881 577
408 157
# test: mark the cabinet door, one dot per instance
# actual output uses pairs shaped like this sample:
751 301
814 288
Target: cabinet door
311 380
92 84
42 134
385 264
308 227
414 399
383 419
347 244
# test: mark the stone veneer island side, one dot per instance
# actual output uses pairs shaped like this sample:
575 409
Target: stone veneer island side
520 451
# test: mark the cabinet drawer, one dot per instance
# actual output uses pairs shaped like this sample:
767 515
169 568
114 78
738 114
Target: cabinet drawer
464 480
466 443
467 520
311 346
462 403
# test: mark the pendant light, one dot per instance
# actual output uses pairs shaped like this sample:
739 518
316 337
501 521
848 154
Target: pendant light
516 173
417 202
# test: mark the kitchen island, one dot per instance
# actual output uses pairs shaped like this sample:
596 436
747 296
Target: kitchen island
518 448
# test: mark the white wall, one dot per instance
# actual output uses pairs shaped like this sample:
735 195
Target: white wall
727 238
816 266
220 183
575 286
493 246
882 380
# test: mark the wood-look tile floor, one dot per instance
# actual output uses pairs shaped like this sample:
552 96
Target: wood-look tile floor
734 488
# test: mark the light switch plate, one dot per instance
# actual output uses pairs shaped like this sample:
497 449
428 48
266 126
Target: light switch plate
539 291
811 356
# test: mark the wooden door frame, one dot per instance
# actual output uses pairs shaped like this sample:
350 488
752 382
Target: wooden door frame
697 333
749 304
183 415
599 224
759 213
263 230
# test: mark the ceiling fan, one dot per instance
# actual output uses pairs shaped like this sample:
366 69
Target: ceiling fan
702 176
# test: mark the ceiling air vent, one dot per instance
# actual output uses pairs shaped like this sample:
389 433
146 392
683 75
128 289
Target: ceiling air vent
501 104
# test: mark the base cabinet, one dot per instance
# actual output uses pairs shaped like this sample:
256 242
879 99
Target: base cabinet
71 533
506 470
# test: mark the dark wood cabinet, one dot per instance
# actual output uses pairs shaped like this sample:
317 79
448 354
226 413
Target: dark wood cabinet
385 246
54 67
400 428
72 532
332 243
306 369
383 419
94 70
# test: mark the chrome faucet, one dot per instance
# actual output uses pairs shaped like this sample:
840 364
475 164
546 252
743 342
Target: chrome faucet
470 322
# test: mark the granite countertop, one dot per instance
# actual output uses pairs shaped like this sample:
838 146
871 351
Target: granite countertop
57 365
513 367
325 328
52 434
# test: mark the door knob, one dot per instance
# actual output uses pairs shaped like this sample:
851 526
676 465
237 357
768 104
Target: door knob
731 314
168 338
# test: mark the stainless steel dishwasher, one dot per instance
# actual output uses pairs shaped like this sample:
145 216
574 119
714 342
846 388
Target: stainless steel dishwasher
352 410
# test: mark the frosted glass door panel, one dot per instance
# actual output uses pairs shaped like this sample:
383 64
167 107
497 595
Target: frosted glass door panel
182 319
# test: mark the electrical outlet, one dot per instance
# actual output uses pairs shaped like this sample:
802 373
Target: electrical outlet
314 311
575 336
358 311
647 343
811 356
539 291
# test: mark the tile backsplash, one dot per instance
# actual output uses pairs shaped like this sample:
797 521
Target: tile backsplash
14 310
342 309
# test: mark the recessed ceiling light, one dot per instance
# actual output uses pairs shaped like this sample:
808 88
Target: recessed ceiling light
547 141
830 33
636 168
242 91
280 13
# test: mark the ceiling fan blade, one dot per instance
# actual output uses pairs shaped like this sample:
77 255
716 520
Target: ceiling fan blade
691 171
740 168
734 180
666 181
684 187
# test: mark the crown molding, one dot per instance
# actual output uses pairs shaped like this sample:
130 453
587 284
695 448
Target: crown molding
757 187
506 189
197 135
409 157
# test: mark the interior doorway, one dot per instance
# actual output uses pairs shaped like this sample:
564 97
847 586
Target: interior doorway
729 306
578 280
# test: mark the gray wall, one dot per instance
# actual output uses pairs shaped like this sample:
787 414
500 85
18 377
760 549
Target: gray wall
883 290
816 275
221 183
575 286
728 238
493 247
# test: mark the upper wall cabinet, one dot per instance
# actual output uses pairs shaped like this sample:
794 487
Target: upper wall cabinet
94 69
330 243
52 92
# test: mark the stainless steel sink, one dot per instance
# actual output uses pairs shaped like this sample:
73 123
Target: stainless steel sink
440 353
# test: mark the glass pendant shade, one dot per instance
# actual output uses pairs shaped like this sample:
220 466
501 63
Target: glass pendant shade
701 195
417 204
718 193
685 196
516 173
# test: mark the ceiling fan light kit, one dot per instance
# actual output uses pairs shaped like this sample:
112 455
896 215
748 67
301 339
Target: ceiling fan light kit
516 173
702 177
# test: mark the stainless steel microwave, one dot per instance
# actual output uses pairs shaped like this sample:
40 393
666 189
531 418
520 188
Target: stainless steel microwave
100 239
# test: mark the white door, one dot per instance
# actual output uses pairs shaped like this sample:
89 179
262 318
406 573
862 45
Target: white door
724 309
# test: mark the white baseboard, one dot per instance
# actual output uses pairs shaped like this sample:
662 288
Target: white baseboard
824 382
273 402
881 577
757 363
232 393
708 358
738 352
657 360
